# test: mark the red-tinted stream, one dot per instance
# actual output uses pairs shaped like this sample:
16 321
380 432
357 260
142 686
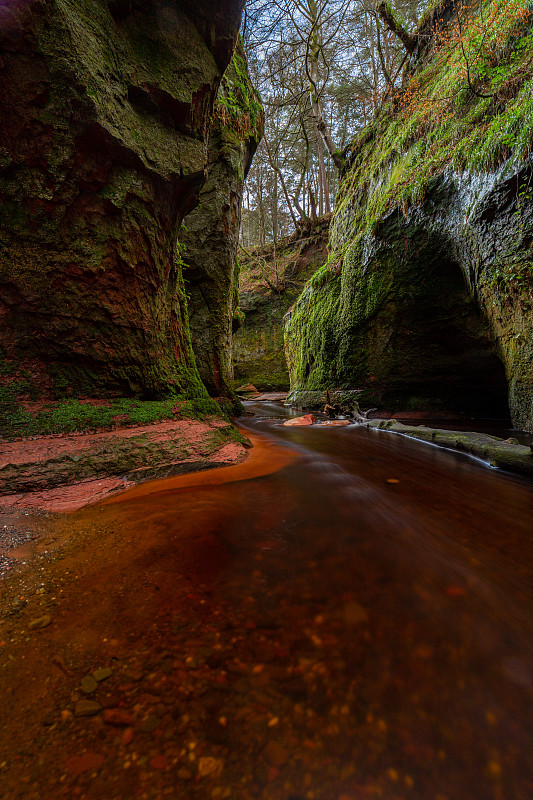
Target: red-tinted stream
356 624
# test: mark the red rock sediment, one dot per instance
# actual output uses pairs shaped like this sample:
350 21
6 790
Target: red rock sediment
66 472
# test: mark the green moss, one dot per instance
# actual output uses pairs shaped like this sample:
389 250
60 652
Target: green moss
72 415
199 408
436 121
431 131
230 408
238 106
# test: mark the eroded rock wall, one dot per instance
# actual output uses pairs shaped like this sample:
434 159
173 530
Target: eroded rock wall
258 346
426 301
211 232
103 130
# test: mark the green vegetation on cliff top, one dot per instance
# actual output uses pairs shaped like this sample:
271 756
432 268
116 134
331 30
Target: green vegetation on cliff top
467 105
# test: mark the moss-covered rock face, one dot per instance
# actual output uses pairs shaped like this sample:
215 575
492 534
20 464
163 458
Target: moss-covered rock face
105 114
211 232
258 348
426 301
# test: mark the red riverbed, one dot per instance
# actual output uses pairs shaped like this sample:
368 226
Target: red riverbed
347 615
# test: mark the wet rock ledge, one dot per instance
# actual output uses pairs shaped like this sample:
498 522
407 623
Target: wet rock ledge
65 472
506 454
503 453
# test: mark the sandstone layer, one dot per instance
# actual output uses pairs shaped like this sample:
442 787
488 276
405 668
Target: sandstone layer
211 232
106 108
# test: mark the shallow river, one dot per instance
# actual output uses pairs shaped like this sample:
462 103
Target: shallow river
371 606
431 576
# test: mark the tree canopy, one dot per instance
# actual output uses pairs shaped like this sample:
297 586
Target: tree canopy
323 68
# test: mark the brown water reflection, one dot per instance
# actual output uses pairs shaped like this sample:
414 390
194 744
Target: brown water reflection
317 632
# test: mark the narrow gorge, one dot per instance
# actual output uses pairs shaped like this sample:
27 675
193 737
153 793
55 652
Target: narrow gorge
266 400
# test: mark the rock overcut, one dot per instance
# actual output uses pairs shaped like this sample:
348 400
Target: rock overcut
106 108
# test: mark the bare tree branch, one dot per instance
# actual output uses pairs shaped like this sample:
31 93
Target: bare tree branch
387 15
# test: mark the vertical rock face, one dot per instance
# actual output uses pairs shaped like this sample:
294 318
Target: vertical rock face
105 114
211 233
402 324
258 351
426 301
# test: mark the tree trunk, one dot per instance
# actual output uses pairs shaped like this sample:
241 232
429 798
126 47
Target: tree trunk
312 203
301 183
387 15
261 211
372 50
380 53
313 50
279 173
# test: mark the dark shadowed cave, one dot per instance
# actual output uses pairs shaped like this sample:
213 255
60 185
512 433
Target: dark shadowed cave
438 347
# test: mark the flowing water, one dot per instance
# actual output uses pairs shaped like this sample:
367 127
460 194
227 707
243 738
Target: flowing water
365 602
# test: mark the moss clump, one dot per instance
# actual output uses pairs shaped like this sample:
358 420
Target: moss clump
200 407
238 106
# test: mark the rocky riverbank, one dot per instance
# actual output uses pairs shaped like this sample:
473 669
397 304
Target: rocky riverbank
63 472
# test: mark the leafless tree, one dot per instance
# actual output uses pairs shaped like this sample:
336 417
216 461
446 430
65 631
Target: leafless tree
323 68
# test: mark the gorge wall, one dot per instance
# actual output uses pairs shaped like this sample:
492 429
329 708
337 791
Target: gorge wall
106 108
426 300
270 282
210 233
